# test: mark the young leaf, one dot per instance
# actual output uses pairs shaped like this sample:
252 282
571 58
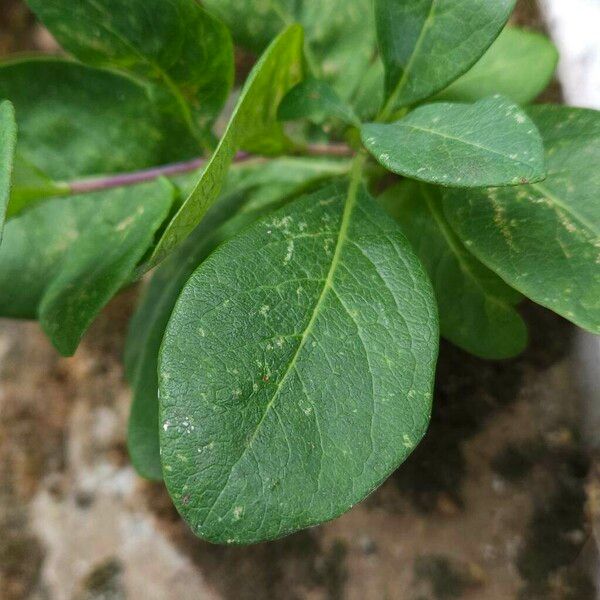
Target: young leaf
543 239
316 100
35 244
90 121
250 190
102 261
176 44
292 383
252 126
491 142
476 307
8 142
519 65
427 44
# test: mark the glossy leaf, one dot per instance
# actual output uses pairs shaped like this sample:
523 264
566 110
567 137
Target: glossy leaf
8 142
491 142
176 44
251 189
519 65
102 260
253 126
427 44
476 307
90 121
544 239
292 383
340 33
316 100
35 244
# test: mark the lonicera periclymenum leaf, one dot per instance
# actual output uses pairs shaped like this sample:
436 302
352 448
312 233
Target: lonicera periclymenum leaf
340 35
544 239
316 100
294 381
477 309
519 65
102 260
175 44
90 121
253 126
251 189
491 142
8 143
427 44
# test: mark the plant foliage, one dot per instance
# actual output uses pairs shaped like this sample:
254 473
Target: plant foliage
381 178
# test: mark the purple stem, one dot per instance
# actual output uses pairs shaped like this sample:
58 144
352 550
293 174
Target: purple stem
98 184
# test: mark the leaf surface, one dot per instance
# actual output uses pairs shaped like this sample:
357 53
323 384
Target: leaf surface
253 126
8 142
294 381
174 43
35 244
544 239
102 261
427 44
340 33
315 99
90 121
519 65
491 142
251 189
476 307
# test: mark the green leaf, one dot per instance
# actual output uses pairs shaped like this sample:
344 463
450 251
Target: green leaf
491 142
176 44
8 142
519 65
30 186
340 34
316 100
251 189
253 126
476 307
427 44
544 239
90 121
102 261
35 244
292 383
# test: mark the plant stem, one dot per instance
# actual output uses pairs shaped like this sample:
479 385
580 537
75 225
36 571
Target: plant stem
97 184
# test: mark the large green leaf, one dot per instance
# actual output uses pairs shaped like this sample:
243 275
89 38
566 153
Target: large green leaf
102 260
35 244
176 44
519 65
544 239
294 381
8 142
251 189
476 307
340 33
427 44
253 126
90 121
491 142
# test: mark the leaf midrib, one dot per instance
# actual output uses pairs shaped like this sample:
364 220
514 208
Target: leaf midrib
327 287
465 142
